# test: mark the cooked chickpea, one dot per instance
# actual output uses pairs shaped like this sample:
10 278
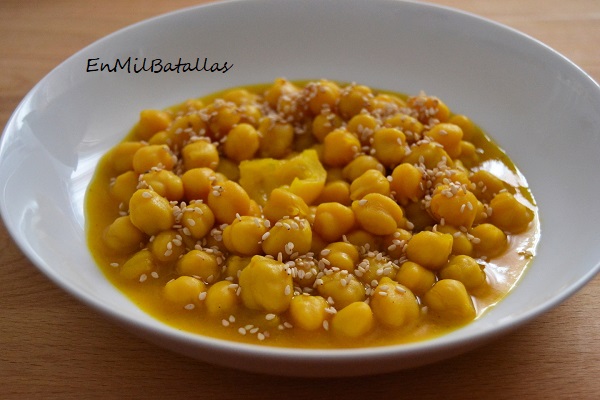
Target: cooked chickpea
227 200
165 183
371 181
335 192
340 147
342 255
122 236
374 268
389 146
464 269
509 214
201 264
153 156
449 136
363 125
486 184
284 204
224 116
244 235
150 212
276 138
138 266
221 298
242 142
266 286
410 126
121 156
429 249
449 299
124 186
150 122
167 246
429 155
394 304
490 241
288 236
197 220
354 99
377 214
429 108
184 291
454 205
200 154
407 183
353 321
197 183
360 165
461 245
324 95
325 123
415 277
308 312
342 287
332 220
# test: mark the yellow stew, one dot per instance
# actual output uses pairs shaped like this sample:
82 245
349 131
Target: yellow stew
311 214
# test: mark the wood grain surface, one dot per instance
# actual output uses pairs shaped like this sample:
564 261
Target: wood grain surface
52 346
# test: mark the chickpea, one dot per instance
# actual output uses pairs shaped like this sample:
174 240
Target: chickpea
429 108
389 145
138 266
407 183
124 186
377 214
486 184
227 200
371 181
363 126
335 192
288 236
353 100
150 122
197 183
449 300
415 277
342 287
234 266
150 212
468 127
284 204
429 249
410 126
360 165
224 116
490 241
394 304
221 298
200 154
197 220
165 183
276 138
509 214
340 147
325 123
153 156
461 245
121 156
308 312
464 269
184 291
374 268
167 246
325 96
244 235
429 155
449 136
454 205
353 321
122 236
200 264
242 142
266 286
341 255
332 220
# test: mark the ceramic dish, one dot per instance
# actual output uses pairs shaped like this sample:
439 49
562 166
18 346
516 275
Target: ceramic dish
537 105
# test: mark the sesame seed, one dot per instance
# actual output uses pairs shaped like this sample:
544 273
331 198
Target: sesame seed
362 202
202 296
242 331
143 277
189 306
146 195
270 317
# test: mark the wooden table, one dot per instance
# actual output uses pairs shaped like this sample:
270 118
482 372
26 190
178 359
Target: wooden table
51 346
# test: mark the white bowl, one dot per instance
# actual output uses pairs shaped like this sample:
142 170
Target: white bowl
542 109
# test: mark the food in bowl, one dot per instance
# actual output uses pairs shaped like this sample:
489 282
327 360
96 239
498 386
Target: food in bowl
311 214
